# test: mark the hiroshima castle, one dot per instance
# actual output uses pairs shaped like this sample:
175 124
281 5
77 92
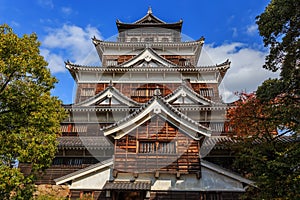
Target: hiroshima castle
147 124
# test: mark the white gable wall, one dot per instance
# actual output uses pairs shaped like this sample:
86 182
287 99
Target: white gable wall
95 180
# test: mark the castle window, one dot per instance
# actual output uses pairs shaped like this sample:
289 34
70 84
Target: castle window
87 92
113 62
157 147
165 39
149 39
133 39
207 92
147 147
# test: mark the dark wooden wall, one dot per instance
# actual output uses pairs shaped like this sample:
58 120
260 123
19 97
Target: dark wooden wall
144 92
157 146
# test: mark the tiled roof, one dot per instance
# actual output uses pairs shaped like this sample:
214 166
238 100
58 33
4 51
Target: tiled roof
185 87
84 171
223 142
124 185
217 142
112 91
144 44
99 142
222 66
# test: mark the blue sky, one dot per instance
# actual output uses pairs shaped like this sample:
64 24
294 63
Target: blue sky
65 29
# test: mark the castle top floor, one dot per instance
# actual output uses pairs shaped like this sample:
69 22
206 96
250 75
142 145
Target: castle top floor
149 29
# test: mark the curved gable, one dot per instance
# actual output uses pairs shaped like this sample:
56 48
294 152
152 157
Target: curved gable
146 58
109 96
185 95
157 106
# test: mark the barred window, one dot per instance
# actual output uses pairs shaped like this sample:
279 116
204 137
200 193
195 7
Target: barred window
207 92
157 147
87 92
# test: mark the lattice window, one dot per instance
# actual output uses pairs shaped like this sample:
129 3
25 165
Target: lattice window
147 147
112 62
87 92
208 92
150 39
157 147
133 39
166 147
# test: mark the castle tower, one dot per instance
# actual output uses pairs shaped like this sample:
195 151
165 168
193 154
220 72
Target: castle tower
151 109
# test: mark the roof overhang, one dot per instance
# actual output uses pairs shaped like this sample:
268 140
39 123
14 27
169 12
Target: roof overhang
157 106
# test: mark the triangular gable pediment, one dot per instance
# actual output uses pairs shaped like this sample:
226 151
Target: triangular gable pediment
149 18
185 95
157 106
148 58
110 96
100 171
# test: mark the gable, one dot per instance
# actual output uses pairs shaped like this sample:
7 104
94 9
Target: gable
157 106
148 58
156 128
146 147
109 97
149 18
92 177
185 95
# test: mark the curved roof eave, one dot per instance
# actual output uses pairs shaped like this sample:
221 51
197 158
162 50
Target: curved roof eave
156 105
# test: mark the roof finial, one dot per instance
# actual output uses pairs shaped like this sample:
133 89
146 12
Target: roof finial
157 92
149 10
110 83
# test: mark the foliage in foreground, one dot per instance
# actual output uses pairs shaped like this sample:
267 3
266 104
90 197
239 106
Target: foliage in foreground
274 165
29 116
263 154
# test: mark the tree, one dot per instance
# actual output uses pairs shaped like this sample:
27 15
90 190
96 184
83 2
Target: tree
264 155
29 116
279 26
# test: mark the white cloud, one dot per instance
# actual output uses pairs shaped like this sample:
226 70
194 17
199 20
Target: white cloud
234 32
252 29
72 43
245 73
55 62
66 10
15 24
46 3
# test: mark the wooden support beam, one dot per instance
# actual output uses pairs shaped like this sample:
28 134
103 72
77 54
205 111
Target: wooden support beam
177 175
157 174
115 173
